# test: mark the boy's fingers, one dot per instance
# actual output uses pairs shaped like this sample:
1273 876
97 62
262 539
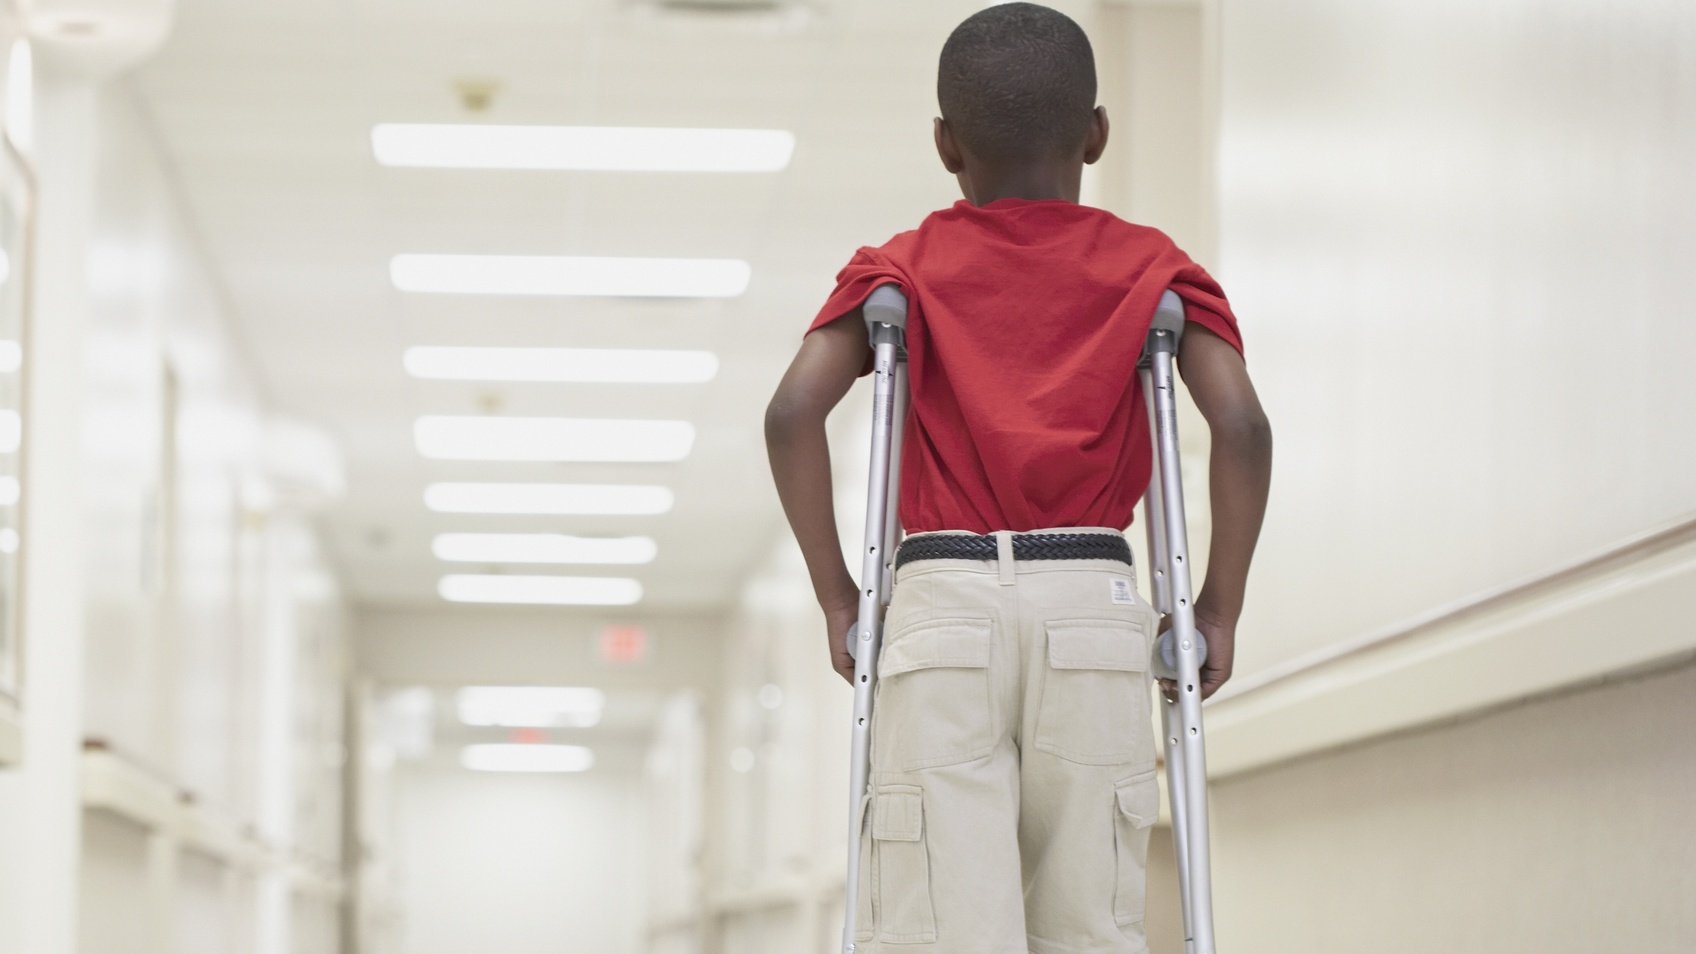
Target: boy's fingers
1211 680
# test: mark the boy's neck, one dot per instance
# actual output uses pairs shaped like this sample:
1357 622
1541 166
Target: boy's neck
982 185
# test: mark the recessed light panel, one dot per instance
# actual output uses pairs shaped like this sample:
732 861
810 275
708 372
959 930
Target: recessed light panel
584 148
549 590
567 439
520 757
574 365
542 548
571 275
569 499
523 707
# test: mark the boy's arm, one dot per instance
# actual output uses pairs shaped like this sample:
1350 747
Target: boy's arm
1240 474
830 359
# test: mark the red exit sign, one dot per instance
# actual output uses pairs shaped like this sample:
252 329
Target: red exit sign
622 644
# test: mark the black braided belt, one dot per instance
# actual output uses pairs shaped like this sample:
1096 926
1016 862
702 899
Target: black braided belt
1026 546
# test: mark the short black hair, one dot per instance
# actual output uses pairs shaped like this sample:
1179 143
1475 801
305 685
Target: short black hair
1017 82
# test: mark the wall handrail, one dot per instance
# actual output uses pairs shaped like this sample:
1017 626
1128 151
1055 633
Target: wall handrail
1665 537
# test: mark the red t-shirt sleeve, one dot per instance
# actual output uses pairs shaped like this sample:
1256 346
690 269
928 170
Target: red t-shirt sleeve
868 269
1205 304
865 273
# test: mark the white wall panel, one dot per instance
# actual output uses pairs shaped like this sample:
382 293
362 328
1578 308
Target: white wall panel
1458 236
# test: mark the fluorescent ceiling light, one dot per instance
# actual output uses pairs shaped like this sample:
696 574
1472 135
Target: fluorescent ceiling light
571 275
525 707
580 365
583 148
551 590
571 499
9 491
12 354
11 432
541 548
519 757
567 439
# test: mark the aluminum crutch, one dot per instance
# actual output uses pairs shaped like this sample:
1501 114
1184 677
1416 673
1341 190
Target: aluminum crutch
1181 649
886 327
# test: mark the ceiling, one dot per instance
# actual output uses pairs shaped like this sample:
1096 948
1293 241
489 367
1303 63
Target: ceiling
264 110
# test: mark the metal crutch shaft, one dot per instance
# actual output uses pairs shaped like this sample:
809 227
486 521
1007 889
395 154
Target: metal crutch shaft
886 322
1181 650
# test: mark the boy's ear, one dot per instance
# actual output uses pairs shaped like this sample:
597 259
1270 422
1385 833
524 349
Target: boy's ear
946 148
1096 141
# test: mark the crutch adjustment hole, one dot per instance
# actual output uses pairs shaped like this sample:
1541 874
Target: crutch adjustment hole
1183 602
862 722
1180 559
1192 730
863 678
1189 688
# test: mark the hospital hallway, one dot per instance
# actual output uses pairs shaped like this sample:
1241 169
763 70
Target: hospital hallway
390 562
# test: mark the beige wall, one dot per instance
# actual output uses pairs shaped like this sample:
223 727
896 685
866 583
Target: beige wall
1457 233
1561 826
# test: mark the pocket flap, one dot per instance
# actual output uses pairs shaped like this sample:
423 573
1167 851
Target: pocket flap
899 815
1097 644
935 644
1139 800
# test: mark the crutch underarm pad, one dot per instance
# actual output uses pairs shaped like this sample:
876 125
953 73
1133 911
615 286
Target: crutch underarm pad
1168 317
885 306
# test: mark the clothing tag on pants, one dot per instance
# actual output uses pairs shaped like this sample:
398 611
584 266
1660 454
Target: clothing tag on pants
1122 592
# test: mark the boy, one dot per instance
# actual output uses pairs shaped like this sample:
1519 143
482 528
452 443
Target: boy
1012 750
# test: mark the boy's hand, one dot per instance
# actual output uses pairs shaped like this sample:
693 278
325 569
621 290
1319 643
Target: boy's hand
837 623
1220 634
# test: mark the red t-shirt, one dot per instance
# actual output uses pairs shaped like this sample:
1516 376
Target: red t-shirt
1025 322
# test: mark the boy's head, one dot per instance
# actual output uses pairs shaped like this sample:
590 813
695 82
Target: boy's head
1016 84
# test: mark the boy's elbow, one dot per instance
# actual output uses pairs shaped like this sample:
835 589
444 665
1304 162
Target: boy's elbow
1248 431
784 419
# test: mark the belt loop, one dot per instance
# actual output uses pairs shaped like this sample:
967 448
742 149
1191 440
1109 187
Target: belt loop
1004 555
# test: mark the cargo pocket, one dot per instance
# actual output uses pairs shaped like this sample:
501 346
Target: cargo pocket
1095 695
863 906
901 867
933 693
1136 806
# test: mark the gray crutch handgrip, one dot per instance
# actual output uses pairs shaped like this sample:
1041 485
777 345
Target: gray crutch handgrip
1165 662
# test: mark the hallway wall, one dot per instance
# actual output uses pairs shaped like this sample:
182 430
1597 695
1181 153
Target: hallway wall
1561 826
1476 214
1458 236
204 740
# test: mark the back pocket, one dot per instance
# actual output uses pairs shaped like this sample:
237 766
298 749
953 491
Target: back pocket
1095 694
933 694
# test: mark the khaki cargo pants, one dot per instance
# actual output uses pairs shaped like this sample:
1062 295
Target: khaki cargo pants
1013 777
